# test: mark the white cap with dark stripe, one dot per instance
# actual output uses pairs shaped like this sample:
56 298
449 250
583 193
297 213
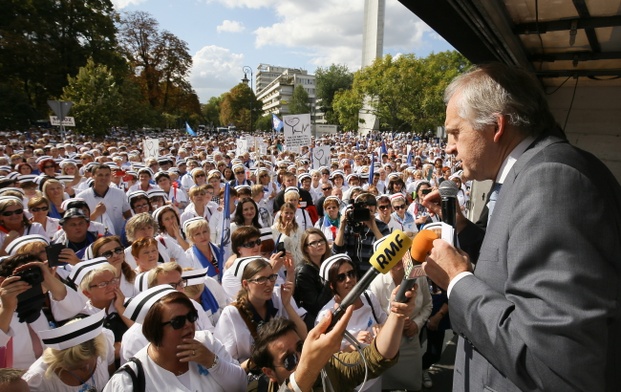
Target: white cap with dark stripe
239 265
139 306
17 244
324 270
187 223
194 277
79 271
141 282
70 335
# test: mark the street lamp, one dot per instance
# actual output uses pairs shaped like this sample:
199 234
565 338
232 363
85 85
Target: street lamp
247 70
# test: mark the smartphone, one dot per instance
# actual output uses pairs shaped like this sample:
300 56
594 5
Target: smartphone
280 247
53 253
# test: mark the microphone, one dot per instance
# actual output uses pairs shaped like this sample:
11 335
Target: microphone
422 244
448 195
388 252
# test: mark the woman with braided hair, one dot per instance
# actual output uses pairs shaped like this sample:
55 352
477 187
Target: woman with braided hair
257 302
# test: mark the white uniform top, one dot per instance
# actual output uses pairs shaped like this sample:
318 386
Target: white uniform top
133 340
23 353
169 251
226 375
37 381
115 201
34 228
235 335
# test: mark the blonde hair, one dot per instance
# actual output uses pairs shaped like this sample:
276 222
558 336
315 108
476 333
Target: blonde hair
139 221
73 357
193 227
160 269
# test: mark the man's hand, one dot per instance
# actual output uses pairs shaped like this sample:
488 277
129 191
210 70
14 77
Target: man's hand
445 262
67 255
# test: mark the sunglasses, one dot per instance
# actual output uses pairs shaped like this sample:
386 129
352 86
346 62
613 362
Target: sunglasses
251 244
37 209
292 360
263 279
240 172
103 285
9 213
399 207
179 321
316 244
351 274
383 207
118 250
326 189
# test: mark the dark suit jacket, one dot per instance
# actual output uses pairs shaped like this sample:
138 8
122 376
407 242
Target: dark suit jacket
542 311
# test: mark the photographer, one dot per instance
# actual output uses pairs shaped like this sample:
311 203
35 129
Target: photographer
358 231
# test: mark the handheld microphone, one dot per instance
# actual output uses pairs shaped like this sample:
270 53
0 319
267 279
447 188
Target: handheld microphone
422 244
388 252
448 194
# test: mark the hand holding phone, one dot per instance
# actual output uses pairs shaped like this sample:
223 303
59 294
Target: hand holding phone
53 254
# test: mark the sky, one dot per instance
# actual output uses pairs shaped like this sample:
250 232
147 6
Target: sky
223 36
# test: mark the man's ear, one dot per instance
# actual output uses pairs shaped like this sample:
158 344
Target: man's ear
270 373
500 127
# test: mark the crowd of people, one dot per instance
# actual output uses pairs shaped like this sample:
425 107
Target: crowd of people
210 268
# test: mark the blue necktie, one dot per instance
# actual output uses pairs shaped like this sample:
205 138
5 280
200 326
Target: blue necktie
493 196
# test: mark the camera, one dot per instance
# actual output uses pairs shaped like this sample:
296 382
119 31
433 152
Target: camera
426 191
358 214
32 276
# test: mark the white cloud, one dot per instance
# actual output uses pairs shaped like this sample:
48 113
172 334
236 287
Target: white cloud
120 4
254 4
230 26
214 70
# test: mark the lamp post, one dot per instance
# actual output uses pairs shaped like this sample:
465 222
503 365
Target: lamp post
247 70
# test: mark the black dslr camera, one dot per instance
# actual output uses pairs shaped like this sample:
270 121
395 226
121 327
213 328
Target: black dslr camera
358 214
32 276
30 302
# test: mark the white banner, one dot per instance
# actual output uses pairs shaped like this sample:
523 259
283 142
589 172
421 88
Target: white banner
325 129
151 148
297 130
321 156
242 147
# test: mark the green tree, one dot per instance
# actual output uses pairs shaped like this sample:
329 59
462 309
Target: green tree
240 107
347 105
328 82
44 41
211 111
299 103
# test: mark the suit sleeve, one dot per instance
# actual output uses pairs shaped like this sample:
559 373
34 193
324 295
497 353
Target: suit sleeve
540 316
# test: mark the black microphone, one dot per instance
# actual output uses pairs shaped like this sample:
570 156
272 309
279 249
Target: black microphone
387 254
448 195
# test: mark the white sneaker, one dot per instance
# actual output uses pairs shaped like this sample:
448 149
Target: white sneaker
427 382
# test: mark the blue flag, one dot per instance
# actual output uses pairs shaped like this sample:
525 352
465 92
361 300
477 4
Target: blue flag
384 150
278 124
189 129
372 169
225 234
410 158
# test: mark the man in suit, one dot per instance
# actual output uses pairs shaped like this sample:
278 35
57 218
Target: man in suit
541 311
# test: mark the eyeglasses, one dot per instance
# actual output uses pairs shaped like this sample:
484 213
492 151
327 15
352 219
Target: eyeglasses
49 166
251 244
383 207
179 321
326 189
199 175
292 360
9 213
37 209
316 244
103 285
351 274
179 285
398 207
200 193
263 279
118 250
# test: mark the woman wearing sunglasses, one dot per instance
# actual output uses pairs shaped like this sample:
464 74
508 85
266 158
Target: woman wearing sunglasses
38 206
405 219
112 249
257 302
13 222
178 357
384 212
341 276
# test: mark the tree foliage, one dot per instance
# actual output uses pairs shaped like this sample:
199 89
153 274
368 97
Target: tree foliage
211 111
299 103
161 62
405 93
240 107
328 82
44 41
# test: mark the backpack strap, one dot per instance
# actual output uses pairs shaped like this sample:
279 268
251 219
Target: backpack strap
138 378
366 295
